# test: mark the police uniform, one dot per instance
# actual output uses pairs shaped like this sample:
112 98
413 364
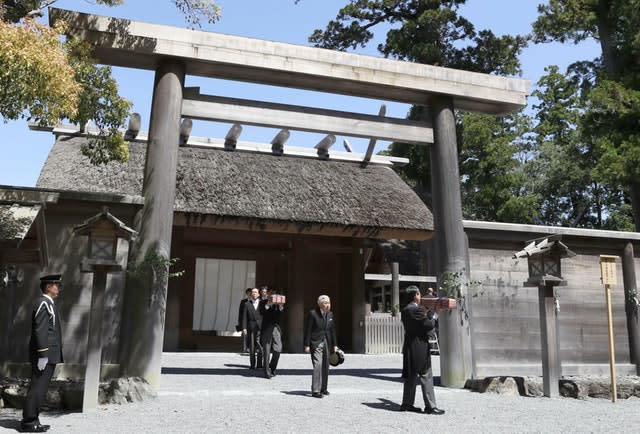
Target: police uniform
45 351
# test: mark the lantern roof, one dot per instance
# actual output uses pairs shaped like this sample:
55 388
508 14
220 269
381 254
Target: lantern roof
540 246
122 230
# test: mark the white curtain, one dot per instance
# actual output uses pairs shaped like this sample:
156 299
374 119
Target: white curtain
220 285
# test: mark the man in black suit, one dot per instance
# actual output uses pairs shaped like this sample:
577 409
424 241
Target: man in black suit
319 340
270 334
45 351
251 323
415 353
241 309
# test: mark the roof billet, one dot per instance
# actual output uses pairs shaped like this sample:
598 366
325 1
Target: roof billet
245 146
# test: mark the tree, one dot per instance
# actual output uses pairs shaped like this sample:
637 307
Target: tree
432 32
494 182
612 82
45 79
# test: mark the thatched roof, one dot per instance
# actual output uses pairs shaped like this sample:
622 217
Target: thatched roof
253 185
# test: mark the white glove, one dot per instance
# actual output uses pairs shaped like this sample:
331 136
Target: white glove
42 363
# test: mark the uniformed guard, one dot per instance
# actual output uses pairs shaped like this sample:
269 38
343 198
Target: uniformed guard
45 351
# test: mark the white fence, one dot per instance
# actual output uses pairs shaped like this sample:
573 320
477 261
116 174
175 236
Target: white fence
384 334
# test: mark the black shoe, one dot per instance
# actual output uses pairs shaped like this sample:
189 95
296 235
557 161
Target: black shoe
316 395
268 375
414 409
434 410
33 427
325 392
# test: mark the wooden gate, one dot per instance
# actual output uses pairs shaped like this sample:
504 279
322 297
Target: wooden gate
384 334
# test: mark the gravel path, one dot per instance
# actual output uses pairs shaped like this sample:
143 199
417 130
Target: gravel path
216 392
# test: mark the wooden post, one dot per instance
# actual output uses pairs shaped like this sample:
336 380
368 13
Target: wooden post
94 342
609 277
612 350
455 340
295 309
146 301
630 305
395 287
549 342
358 308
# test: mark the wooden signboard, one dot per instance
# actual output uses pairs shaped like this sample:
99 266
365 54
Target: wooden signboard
608 269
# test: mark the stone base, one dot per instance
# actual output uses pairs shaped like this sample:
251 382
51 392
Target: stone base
67 395
579 387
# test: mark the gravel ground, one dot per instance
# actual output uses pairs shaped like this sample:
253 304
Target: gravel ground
216 392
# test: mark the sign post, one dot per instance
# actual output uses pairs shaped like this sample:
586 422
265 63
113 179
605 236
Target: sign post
608 277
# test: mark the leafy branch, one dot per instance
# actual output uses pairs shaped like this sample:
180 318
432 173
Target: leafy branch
155 266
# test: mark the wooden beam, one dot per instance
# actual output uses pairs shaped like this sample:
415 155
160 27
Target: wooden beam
266 114
402 278
135 44
258 225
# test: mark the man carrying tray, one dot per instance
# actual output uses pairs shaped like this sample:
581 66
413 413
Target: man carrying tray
415 353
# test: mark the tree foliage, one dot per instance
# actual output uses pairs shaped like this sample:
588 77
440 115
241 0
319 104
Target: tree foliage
612 84
45 80
31 83
433 32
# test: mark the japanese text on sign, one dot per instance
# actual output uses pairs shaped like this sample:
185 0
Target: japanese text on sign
608 269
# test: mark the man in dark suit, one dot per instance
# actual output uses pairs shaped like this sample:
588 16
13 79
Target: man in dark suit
270 334
319 340
45 351
415 353
251 323
241 309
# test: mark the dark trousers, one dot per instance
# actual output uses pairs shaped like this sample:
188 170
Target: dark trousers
271 347
426 383
320 361
255 350
37 393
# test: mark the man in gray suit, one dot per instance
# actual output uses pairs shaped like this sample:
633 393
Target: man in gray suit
45 351
320 340
415 353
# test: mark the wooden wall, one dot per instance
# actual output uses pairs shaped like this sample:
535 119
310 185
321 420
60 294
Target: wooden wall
505 318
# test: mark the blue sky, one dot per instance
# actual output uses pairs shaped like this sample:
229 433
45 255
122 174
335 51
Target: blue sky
24 152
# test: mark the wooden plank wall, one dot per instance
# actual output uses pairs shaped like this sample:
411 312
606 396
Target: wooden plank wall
505 319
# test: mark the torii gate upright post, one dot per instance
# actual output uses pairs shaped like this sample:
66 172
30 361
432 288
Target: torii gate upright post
145 302
455 336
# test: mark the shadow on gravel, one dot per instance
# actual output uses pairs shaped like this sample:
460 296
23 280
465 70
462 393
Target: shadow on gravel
387 374
384 404
243 372
7 423
298 393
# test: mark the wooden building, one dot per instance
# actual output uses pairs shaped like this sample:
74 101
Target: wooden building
241 218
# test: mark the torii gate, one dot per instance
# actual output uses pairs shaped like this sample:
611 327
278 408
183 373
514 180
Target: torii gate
174 52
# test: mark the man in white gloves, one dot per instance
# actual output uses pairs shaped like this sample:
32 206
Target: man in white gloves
45 351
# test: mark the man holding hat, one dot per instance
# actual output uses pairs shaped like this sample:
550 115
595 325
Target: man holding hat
320 340
415 353
45 351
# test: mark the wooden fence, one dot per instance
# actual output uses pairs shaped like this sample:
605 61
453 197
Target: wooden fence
384 334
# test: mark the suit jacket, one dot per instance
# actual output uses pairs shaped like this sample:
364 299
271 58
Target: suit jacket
241 309
251 320
270 320
415 351
317 329
46 332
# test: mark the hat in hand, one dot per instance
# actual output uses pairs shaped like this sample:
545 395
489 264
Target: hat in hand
336 358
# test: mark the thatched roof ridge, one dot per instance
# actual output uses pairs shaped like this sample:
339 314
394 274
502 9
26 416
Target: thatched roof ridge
252 185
